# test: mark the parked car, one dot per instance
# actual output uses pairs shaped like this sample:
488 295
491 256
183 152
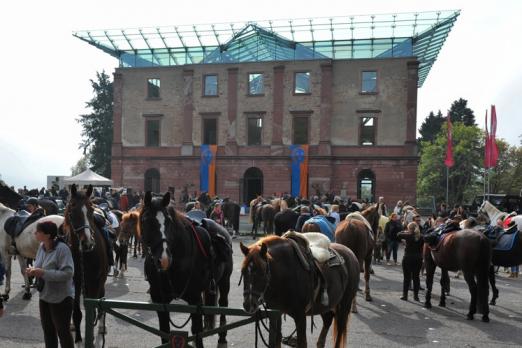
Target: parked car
507 203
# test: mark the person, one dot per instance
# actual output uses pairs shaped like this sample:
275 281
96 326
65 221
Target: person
54 269
335 214
443 210
124 201
412 259
217 214
398 209
34 209
391 229
383 210
197 206
305 215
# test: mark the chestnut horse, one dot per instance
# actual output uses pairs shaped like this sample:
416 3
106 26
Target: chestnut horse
273 274
128 228
359 237
465 250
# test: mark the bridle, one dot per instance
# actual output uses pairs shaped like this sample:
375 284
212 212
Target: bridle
250 292
76 229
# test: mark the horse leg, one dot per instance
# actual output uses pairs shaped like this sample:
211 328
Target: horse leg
224 289
22 261
209 321
300 326
77 315
7 265
327 322
472 285
492 282
354 304
164 324
135 242
444 284
367 269
430 271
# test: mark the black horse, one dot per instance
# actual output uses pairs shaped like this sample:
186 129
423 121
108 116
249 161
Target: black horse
89 254
231 211
285 220
180 263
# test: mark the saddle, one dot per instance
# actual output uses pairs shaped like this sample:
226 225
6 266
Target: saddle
507 240
15 224
219 238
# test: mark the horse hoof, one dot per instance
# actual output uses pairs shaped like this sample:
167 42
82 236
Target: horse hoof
427 305
5 297
469 316
493 303
485 319
222 345
102 330
354 310
27 296
369 298
442 304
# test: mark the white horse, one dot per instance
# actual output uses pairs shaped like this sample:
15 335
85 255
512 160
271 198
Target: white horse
493 213
26 244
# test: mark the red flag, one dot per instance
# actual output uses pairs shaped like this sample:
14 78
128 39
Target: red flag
448 162
493 141
487 146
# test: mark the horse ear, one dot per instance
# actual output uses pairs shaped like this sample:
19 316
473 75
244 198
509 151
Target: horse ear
73 190
244 249
263 250
166 199
89 191
148 199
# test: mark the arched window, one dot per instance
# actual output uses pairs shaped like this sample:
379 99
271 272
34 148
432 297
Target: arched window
152 180
366 185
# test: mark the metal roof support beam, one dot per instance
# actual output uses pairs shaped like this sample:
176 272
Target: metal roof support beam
110 40
167 47
187 53
150 48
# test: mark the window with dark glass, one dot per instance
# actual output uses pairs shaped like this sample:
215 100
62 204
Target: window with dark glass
210 87
255 130
367 131
153 88
302 83
369 82
153 132
300 129
255 84
209 131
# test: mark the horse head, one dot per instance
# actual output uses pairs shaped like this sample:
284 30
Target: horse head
255 272
155 225
79 218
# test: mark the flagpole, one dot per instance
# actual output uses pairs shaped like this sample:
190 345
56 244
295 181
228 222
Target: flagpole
447 186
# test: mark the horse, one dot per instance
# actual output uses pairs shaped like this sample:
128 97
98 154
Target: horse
179 263
231 212
128 228
466 250
285 220
357 234
26 247
274 274
89 252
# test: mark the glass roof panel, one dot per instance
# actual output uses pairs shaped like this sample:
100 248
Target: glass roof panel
345 37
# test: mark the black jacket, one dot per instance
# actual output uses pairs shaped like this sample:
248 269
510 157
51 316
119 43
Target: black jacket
413 247
391 229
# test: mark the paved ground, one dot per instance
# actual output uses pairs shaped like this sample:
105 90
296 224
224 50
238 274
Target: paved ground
385 322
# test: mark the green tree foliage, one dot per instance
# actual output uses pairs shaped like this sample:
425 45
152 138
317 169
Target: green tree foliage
80 166
506 177
460 112
431 127
463 176
98 125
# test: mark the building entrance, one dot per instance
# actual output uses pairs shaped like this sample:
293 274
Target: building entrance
252 184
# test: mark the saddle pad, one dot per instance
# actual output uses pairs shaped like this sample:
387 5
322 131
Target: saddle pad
335 259
325 226
442 237
319 244
506 241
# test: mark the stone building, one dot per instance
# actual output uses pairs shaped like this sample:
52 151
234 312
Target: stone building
345 86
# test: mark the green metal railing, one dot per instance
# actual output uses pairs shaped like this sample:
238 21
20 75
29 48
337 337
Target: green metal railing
109 306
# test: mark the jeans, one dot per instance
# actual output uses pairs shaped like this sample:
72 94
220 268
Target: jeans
56 321
514 269
393 246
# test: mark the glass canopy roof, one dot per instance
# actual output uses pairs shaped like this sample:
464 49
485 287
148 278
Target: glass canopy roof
351 37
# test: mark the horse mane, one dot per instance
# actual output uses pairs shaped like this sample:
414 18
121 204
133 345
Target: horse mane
253 254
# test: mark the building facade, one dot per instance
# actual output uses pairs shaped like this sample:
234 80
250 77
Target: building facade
356 116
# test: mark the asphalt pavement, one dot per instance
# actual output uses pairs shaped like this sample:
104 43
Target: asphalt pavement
385 322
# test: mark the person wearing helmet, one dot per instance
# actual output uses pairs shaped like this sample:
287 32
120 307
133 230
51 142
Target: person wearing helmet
37 212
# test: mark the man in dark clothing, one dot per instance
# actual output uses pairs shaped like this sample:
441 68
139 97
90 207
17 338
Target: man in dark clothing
305 215
391 229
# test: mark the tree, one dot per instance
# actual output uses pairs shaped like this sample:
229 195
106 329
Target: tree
80 166
464 176
506 176
431 127
98 126
460 112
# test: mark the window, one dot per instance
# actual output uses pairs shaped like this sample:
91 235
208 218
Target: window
366 185
210 85
302 83
153 88
255 84
210 131
152 180
369 82
367 132
255 130
152 135
300 129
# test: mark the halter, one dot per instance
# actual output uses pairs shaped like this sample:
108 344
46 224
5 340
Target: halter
77 229
261 295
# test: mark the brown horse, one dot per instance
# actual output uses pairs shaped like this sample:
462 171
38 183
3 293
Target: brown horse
273 274
358 236
128 228
89 253
465 250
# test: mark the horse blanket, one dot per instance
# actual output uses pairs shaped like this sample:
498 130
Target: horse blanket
506 241
326 227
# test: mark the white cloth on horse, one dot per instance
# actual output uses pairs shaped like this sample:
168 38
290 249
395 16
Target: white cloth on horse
319 244
358 216
113 219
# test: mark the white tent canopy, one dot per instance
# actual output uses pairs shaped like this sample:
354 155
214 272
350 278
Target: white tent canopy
88 177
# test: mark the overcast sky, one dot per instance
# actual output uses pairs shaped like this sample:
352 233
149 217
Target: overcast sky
45 71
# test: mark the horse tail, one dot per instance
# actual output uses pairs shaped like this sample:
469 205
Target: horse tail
342 314
483 275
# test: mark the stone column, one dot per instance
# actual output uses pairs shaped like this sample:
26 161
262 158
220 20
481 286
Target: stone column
411 105
232 87
326 109
117 151
187 148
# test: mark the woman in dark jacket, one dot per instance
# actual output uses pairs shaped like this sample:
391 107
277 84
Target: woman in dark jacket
391 229
412 260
